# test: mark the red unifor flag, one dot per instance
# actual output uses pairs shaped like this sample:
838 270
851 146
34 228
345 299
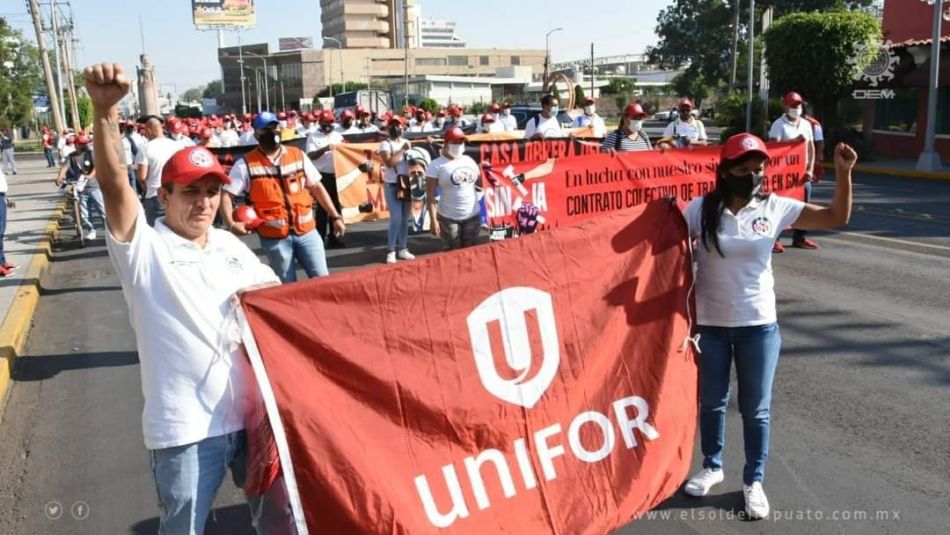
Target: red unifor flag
538 385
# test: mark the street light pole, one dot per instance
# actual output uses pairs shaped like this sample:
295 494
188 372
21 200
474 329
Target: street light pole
266 74
339 45
547 58
241 62
748 107
929 159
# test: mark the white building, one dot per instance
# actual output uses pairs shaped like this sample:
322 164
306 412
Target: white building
439 34
467 90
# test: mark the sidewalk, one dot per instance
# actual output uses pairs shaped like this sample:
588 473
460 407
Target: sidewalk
893 167
27 244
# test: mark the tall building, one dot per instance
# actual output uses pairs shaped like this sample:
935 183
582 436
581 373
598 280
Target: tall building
439 34
370 23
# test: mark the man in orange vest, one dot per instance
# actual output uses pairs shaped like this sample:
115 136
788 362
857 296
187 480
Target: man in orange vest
281 183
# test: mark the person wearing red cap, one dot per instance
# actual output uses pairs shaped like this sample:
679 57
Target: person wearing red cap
419 124
49 143
489 125
392 152
791 126
685 131
590 119
458 218
630 136
319 149
347 125
79 171
180 280
179 133
364 121
508 121
733 228
229 136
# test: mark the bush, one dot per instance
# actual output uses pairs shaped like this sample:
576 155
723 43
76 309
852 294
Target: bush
429 105
477 108
731 115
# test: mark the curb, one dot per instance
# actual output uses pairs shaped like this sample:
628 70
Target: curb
891 171
16 325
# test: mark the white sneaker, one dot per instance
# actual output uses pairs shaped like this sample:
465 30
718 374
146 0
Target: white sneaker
91 235
391 257
756 503
404 254
701 483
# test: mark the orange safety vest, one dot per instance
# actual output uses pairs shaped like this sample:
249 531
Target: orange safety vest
279 193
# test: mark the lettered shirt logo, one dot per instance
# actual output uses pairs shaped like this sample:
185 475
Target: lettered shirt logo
762 226
508 308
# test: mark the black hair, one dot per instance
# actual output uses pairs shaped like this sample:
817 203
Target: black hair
715 202
548 99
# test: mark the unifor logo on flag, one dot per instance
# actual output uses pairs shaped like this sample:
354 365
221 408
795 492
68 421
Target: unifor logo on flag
533 386
509 311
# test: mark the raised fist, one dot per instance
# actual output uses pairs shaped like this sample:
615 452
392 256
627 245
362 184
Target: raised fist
106 84
845 157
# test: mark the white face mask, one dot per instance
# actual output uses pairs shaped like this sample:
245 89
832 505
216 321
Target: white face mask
506 112
795 113
635 125
589 110
553 111
456 150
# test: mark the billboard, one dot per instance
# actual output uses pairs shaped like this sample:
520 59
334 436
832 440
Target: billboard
223 13
294 43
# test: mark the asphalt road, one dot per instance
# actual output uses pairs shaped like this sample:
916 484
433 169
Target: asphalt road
860 419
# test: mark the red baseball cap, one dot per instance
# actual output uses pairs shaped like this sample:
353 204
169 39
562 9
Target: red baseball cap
455 135
792 99
192 164
739 145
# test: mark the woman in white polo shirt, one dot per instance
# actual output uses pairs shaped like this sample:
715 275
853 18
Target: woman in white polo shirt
458 219
734 228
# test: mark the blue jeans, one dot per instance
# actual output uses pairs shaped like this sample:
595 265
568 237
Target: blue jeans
88 199
188 477
755 350
306 249
400 213
3 225
50 162
799 235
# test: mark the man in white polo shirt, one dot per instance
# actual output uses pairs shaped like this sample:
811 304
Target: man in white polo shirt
180 280
546 124
149 162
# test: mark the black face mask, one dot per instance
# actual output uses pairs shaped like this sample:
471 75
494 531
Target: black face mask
395 132
326 128
347 124
745 186
269 141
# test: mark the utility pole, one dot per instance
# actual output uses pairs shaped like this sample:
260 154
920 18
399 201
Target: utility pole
763 69
735 47
68 72
47 69
591 71
59 61
405 38
748 106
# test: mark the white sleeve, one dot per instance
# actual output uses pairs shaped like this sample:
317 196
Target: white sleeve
805 130
310 146
386 147
775 133
141 157
788 210
239 176
132 260
310 171
701 131
668 132
432 172
531 127
693 214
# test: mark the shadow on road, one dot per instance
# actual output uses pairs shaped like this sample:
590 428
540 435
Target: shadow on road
231 520
41 367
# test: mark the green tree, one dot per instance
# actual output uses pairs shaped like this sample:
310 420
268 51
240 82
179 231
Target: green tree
84 106
477 108
826 43
429 105
691 83
579 96
619 86
212 90
338 88
731 114
193 94
19 75
699 33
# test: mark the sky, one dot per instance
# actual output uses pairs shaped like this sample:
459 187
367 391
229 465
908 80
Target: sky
184 57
